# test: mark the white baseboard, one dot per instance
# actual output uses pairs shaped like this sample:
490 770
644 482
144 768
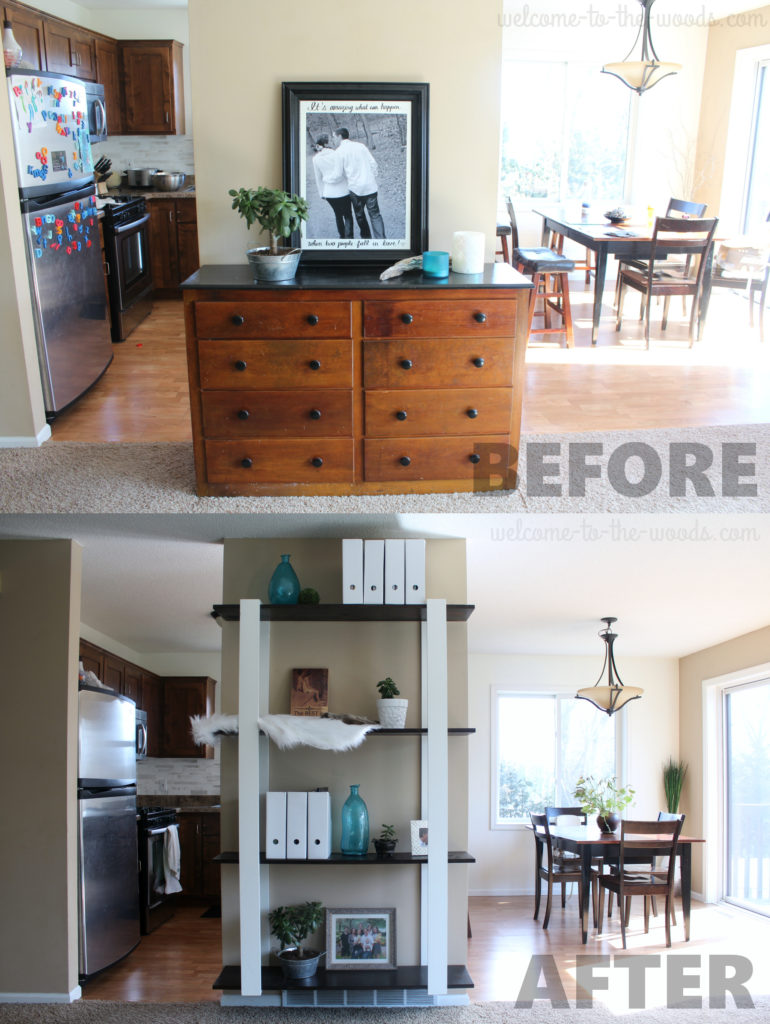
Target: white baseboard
41 997
501 892
27 442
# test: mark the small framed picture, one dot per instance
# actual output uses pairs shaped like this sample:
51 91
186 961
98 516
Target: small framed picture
360 940
419 836
309 691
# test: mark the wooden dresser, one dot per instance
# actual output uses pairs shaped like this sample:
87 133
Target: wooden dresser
341 384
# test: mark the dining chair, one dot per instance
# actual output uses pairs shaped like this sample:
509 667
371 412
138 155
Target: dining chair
625 884
659 279
550 282
751 274
558 868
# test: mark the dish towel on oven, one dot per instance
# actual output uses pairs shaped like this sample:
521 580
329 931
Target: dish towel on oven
172 859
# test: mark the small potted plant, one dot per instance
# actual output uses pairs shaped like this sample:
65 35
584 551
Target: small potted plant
279 214
385 842
291 926
391 709
604 798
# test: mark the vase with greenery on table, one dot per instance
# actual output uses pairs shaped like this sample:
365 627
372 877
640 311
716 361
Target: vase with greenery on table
605 798
278 213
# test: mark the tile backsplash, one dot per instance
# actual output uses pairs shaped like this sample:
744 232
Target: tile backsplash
163 152
180 776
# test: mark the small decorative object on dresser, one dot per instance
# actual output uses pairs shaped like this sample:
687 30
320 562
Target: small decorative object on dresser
391 709
284 585
385 843
360 939
418 832
291 926
279 214
309 691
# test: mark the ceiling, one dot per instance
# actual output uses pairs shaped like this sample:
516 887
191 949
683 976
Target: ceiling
715 9
540 583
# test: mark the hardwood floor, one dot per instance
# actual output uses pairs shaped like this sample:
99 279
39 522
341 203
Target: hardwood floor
179 961
615 385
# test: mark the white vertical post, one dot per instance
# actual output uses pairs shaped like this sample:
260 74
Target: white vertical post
435 686
249 687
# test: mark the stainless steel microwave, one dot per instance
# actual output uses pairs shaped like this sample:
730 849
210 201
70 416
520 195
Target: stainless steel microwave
97 112
141 735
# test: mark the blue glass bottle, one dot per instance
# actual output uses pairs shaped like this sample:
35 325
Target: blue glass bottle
355 826
284 585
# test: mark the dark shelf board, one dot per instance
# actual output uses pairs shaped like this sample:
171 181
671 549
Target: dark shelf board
343 612
396 860
402 977
464 731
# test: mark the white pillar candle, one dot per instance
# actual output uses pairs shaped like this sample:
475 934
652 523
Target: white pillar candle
468 252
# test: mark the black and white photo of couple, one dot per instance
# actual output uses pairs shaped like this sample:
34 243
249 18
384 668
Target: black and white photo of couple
351 193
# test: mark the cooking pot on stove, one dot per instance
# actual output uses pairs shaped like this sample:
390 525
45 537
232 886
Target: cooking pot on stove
140 177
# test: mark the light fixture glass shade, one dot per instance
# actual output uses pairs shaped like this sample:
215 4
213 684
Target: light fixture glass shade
640 75
613 695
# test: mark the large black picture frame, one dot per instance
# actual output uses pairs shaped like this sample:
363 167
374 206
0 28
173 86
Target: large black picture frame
391 121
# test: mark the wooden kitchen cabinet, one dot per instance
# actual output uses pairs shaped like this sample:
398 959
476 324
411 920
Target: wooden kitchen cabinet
28 31
152 702
92 658
69 49
199 842
184 696
153 89
173 243
108 73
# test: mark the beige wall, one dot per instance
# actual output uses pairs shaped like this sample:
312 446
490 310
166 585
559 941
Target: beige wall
39 618
726 38
452 44
742 653
504 856
388 770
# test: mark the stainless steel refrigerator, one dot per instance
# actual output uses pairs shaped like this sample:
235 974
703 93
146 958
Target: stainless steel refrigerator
108 853
54 166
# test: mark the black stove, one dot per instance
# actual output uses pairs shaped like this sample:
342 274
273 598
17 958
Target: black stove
124 209
156 817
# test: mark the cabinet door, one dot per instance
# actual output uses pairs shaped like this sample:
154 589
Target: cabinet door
186 238
163 246
108 73
152 703
132 683
92 658
114 672
184 696
28 32
69 49
190 852
152 87
84 52
210 845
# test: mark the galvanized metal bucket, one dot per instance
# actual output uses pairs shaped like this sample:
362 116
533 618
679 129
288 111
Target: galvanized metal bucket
269 267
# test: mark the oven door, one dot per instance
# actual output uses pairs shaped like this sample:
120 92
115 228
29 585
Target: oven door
154 881
130 270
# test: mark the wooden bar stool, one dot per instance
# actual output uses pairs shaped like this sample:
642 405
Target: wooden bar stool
550 282
503 233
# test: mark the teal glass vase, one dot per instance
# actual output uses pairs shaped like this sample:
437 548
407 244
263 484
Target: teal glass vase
284 585
355 826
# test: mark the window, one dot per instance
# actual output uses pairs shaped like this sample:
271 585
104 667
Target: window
542 744
556 147
757 199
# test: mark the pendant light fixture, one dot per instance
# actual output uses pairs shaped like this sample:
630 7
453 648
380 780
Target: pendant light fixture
612 695
648 70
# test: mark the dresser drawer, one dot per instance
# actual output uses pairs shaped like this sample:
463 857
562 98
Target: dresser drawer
252 460
421 363
441 318
229 414
275 364
434 458
405 413
287 319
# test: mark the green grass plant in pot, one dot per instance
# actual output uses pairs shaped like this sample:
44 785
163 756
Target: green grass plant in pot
674 774
291 926
604 798
278 213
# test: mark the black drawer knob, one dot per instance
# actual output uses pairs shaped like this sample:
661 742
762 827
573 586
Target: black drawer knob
314 364
237 319
240 364
480 318
478 361
472 413
246 463
312 319
243 414
406 364
475 458
401 414
407 318
317 461
315 414
405 460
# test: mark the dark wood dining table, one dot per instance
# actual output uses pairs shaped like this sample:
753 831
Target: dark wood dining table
631 240
588 842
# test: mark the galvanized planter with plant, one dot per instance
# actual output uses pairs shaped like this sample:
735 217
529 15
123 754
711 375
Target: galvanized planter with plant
278 213
291 926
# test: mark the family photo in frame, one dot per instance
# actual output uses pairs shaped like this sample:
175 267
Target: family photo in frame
357 154
361 939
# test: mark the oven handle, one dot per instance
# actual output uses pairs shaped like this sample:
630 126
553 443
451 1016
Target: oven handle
156 831
123 228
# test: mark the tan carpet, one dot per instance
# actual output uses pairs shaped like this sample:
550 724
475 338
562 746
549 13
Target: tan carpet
159 477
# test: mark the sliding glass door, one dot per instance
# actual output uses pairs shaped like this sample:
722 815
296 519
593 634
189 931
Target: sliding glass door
747 795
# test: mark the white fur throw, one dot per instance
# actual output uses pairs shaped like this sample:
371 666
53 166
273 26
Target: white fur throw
287 731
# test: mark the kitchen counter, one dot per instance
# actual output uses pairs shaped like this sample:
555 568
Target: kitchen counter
186 192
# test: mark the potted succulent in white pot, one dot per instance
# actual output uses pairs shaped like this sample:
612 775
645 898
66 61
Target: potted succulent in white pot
278 213
391 709
291 926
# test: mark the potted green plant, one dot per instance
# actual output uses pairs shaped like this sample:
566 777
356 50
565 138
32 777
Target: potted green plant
673 779
391 709
278 213
604 798
291 926
385 842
